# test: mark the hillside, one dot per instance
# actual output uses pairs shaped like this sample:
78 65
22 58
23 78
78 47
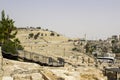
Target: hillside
78 66
45 43
52 46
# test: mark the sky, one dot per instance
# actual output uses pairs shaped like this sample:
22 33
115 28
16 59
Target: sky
73 18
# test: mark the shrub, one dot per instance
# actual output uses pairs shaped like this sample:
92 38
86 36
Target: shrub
52 34
75 49
46 30
36 36
38 28
31 35
58 35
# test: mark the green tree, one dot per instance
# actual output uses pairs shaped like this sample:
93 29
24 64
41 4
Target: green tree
6 28
7 34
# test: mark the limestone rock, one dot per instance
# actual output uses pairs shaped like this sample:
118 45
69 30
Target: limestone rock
7 78
1 64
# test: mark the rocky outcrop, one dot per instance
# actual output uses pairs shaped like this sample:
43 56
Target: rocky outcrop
1 64
32 76
81 73
15 70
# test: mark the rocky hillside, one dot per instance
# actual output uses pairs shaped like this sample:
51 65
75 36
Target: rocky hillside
51 45
15 70
40 35
78 66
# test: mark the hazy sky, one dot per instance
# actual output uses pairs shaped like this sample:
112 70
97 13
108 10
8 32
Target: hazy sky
72 18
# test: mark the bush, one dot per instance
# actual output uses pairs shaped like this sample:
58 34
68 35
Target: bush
38 28
36 36
46 30
75 49
52 34
31 35
115 49
58 35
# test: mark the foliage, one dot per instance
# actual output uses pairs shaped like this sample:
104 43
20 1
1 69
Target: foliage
52 34
12 48
90 48
75 49
38 28
31 35
7 35
6 28
116 49
46 30
115 46
58 35
36 36
113 41
17 44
